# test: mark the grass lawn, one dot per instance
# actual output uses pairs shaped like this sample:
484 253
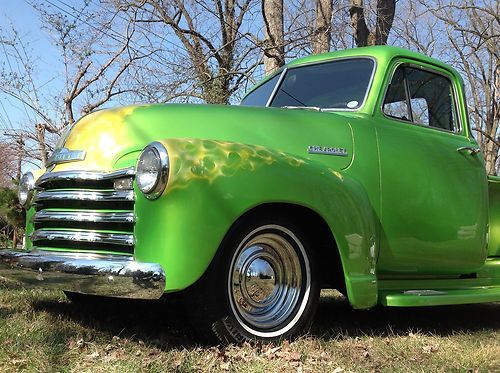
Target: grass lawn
44 332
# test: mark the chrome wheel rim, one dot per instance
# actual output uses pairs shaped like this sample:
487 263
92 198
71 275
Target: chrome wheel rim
269 281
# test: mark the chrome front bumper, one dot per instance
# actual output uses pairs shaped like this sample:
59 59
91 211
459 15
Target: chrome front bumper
106 275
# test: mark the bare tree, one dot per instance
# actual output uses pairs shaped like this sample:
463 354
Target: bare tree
316 26
18 81
8 164
473 33
215 51
95 60
415 28
11 213
384 16
465 34
94 66
274 46
323 26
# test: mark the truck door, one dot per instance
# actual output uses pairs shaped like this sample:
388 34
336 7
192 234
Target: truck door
434 205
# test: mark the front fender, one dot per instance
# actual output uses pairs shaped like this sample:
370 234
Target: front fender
213 183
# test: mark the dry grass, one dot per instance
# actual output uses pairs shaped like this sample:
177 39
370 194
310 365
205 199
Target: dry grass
41 331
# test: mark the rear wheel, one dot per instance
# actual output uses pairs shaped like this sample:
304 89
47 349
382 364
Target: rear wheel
262 285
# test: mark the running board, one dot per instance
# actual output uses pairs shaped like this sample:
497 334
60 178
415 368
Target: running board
438 297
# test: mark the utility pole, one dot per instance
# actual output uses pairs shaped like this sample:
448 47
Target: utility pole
20 154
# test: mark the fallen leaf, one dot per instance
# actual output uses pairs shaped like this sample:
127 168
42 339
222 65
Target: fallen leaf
221 354
18 361
271 351
94 355
338 370
113 356
430 349
177 362
153 352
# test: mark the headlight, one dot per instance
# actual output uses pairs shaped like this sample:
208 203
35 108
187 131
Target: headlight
152 170
26 186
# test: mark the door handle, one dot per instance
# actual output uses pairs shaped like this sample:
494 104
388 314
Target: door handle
469 150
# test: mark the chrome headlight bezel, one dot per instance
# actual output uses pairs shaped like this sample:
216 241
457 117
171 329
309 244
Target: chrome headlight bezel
153 190
26 188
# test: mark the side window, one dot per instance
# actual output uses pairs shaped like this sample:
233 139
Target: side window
428 97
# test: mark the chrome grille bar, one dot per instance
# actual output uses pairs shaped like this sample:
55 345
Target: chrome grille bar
84 216
83 176
84 195
86 211
83 236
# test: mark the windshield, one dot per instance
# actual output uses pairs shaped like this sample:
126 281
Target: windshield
340 84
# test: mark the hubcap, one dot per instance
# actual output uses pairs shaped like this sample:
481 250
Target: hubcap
268 289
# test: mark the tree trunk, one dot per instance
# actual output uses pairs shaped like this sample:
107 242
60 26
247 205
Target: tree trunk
14 239
68 111
385 17
216 90
40 135
361 32
322 29
383 24
274 50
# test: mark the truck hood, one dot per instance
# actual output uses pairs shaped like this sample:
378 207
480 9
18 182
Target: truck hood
112 138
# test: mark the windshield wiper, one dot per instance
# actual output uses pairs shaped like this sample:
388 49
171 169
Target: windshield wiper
315 108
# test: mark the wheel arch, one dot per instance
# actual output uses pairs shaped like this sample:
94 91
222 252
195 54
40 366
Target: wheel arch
319 234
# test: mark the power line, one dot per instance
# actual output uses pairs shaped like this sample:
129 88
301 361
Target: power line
211 54
20 92
231 26
124 39
118 35
7 125
141 27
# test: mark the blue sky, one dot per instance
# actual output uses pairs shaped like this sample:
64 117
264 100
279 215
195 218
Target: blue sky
20 15
24 18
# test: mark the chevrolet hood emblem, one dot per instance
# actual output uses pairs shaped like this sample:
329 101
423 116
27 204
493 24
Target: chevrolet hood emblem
64 155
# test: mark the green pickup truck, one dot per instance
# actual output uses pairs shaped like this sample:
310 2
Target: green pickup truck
354 170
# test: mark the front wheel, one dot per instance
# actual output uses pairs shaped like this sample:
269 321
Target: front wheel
267 290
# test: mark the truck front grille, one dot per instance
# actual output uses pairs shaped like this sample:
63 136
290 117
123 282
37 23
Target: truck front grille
81 210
